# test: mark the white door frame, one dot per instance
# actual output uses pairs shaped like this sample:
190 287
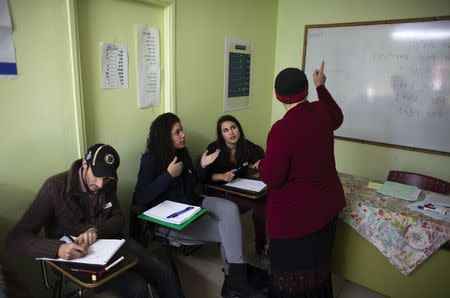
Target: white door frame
168 64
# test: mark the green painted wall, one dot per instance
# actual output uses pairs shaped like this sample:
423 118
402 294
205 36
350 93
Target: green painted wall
201 28
37 114
356 158
355 258
111 115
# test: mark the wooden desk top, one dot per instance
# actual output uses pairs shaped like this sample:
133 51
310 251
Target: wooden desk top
234 191
85 279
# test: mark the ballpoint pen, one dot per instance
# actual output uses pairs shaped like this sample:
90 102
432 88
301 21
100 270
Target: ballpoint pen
70 237
242 166
175 214
83 270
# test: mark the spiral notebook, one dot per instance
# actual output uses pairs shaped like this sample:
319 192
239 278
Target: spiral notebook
98 253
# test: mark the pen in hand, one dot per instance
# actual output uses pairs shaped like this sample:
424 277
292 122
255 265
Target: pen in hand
242 166
70 238
175 214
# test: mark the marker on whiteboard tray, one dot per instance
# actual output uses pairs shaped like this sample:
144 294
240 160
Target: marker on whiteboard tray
431 207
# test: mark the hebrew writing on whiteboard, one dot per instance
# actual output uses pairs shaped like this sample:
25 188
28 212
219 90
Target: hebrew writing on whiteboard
8 66
148 67
392 81
114 66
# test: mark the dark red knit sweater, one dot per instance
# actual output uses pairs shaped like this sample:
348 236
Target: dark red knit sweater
305 192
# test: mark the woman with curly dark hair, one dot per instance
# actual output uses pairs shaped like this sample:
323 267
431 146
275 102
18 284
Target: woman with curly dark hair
167 173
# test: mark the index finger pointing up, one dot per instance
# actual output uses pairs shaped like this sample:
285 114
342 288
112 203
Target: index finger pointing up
321 66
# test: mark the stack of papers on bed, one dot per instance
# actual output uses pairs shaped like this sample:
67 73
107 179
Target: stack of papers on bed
247 184
399 190
172 212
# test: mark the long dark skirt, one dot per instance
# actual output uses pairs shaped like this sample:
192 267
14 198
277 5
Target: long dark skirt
301 267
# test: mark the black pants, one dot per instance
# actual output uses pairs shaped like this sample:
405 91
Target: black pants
149 270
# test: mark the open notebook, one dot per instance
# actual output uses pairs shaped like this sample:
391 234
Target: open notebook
172 212
98 253
247 184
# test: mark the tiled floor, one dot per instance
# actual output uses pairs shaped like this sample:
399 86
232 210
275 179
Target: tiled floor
201 274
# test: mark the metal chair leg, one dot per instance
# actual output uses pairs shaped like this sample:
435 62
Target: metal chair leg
45 275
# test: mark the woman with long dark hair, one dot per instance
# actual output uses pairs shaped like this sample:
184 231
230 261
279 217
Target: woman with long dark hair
167 173
236 152
236 156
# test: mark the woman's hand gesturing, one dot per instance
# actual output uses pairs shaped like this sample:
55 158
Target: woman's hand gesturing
175 168
208 159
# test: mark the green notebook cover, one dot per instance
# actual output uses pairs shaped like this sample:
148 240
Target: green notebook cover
173 226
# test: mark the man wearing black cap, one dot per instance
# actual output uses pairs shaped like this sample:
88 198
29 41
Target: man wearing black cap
83 202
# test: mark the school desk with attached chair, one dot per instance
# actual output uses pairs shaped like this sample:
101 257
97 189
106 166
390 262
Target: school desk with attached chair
82 274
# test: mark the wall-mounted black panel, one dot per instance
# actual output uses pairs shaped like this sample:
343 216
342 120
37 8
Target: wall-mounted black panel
239 75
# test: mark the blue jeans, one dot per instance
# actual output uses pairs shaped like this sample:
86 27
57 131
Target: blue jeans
149 269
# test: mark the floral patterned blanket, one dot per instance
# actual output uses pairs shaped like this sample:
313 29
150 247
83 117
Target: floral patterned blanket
405 237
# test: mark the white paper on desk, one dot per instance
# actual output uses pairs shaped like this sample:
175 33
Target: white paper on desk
98 253
166 208
247 184
399 190
415 207
438 199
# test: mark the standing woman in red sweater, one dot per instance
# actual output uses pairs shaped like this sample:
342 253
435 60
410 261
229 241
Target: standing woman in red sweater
305 193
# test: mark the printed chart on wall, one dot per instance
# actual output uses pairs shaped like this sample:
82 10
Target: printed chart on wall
149 73
114 66
390 78
8 66
238 74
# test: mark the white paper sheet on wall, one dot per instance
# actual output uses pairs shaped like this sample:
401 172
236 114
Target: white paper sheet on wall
148 67
114 66
8 66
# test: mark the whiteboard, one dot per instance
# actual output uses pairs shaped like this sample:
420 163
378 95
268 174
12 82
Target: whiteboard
392 81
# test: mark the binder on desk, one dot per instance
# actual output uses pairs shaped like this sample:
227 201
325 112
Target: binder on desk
173 215
98 253
399 190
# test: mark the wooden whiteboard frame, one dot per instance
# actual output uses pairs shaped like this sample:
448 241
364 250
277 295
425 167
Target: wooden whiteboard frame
381 22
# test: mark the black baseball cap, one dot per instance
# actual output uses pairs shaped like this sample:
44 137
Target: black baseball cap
103 160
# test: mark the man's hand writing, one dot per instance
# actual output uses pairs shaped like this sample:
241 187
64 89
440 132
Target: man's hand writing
69 251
